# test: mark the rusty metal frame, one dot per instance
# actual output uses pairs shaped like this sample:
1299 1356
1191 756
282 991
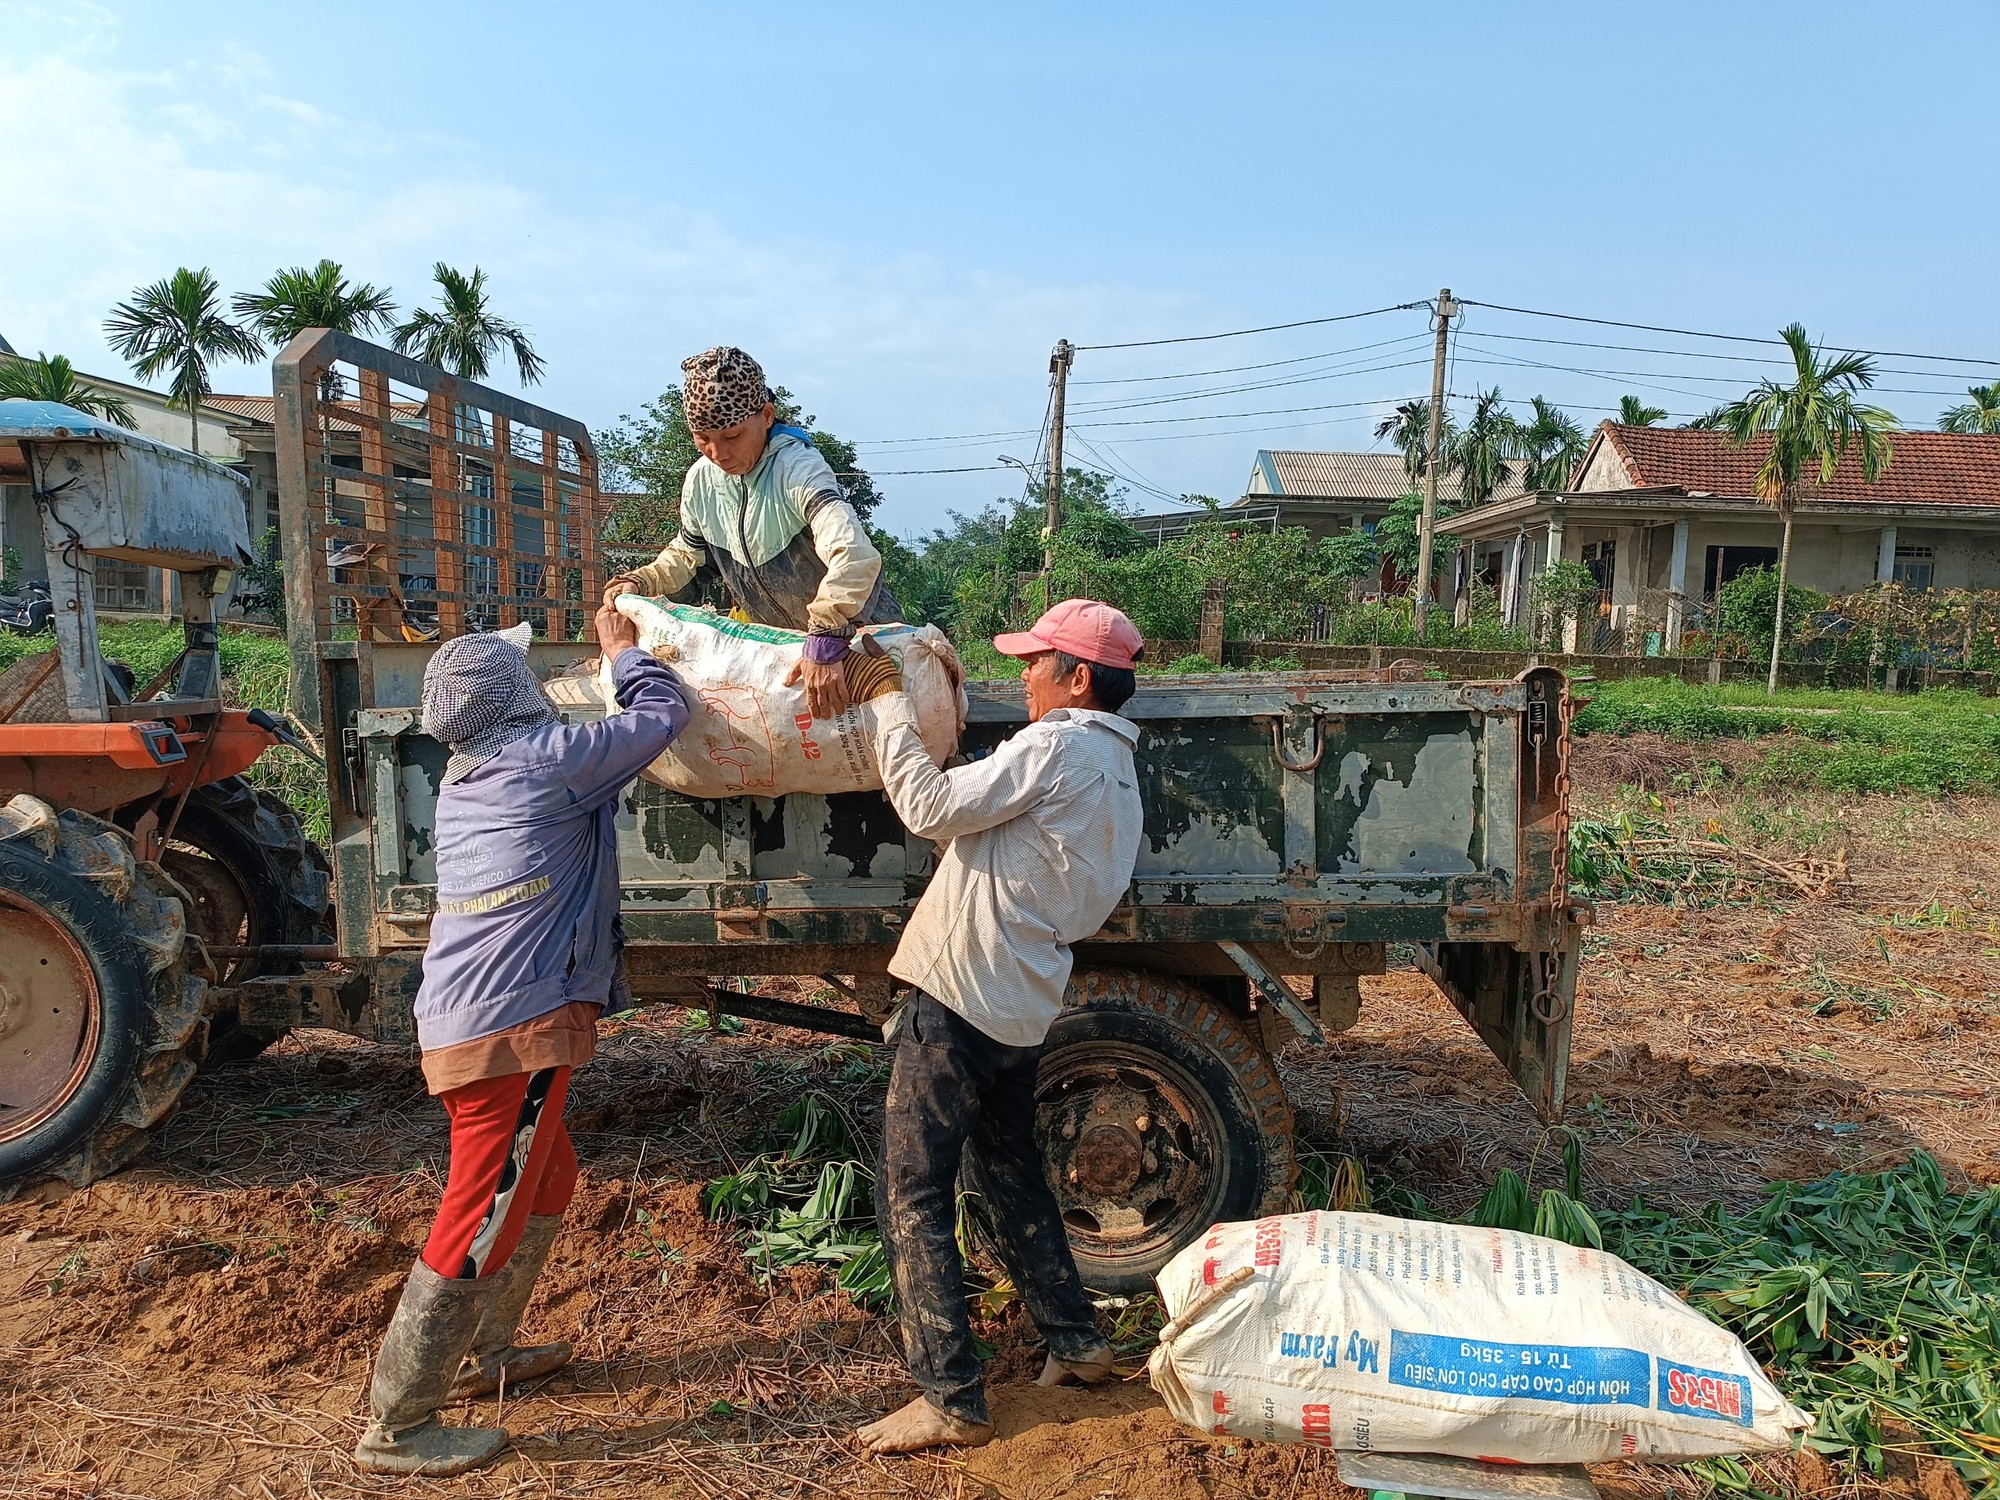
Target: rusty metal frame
459 428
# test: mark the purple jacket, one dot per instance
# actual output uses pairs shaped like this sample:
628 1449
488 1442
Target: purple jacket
527 913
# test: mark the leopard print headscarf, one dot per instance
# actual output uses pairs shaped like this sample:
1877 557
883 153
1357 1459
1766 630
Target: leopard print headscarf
724 386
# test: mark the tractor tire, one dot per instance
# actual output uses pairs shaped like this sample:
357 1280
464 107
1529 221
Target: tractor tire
101 1013
1158 1114
254 877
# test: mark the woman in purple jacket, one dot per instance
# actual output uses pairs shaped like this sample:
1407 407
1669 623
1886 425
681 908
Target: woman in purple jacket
523 955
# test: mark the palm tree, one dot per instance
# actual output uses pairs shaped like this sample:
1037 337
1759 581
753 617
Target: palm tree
50 377
1979 415
1550 445
1810 423
1632 412
465 335
177 325
1483 450
1409 428
295 300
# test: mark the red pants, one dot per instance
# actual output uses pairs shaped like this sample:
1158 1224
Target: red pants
510 1157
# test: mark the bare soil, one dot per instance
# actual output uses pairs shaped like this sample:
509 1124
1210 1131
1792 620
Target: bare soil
202 1324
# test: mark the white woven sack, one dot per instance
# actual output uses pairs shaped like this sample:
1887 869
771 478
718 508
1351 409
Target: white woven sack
750 733
1363 1332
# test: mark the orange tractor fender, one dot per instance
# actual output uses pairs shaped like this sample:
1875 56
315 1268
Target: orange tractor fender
99 767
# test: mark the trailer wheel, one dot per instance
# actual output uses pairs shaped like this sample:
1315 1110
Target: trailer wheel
253 876
1158 1115
101 1021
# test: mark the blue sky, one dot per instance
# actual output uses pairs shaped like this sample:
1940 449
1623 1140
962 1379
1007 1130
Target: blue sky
899 209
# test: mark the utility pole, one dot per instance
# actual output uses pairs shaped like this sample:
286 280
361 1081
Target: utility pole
1427 526
1059 363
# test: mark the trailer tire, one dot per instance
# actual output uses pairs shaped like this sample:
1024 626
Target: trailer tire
101 1022
243 857
1158 1114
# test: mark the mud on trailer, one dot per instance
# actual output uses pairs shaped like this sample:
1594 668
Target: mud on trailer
1297 824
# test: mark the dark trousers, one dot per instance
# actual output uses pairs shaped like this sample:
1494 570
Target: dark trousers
951 1088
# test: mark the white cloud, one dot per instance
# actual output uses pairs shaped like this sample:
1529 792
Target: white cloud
113 176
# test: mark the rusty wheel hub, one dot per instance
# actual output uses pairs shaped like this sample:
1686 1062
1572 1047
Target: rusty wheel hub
1129 1146
50 1014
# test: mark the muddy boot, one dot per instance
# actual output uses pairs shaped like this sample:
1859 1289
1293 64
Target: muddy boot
495 1357
430 1333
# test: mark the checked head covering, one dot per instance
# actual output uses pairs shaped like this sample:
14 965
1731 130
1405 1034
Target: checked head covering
724 386
480 696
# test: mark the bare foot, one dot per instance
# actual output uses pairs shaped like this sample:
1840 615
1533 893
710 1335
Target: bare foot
921 1425
1087 1371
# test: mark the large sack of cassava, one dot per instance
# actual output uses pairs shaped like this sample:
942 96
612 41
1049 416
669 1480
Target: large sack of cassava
750 733
1363 1332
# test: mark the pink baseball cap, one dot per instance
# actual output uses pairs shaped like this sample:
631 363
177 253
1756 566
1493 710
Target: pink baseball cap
1082 628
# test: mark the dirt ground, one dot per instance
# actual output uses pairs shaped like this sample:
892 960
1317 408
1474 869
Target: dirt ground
202 1324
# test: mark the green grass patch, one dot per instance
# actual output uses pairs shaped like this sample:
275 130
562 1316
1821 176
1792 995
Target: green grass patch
1934 743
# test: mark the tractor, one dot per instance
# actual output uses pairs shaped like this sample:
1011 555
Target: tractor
139 869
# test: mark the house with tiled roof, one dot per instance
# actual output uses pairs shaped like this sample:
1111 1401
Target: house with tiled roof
1664 516
1333 492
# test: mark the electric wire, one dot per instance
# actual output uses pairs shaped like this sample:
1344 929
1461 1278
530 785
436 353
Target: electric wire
1237 333
1710 354
1270 364
1736 338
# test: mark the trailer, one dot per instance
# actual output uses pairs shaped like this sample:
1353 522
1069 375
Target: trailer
1298 826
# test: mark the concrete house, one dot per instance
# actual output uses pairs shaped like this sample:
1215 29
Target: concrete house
1664 516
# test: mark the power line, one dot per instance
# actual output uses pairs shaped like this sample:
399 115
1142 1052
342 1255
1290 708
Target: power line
1746 359
1237 333
974 469
1500 359
1736 338
1239 390
1269 364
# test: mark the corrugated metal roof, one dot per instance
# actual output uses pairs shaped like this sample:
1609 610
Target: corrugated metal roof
1303 474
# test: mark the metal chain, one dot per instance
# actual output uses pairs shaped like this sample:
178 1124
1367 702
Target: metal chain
1559 858
1547 1003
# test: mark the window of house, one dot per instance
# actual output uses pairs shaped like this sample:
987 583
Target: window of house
1914 568
121 585
1727 563
1602 560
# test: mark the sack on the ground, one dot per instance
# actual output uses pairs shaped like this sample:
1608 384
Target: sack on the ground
750 733
1357 1331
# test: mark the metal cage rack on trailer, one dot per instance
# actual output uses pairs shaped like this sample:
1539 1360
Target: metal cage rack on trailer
427 505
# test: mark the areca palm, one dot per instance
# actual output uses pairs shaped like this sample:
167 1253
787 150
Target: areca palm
1409 428
176 325
1550 445
1981 414
1484 449
1810 424
1632 412
463 334
50 377
320 297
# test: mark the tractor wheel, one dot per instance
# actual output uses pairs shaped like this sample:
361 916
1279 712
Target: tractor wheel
254 877
1158 1115
101 1021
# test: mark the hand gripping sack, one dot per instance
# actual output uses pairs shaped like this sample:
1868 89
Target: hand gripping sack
1363 1332
750 733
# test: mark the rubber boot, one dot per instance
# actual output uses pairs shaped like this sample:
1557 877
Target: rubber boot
430 1333
495 1358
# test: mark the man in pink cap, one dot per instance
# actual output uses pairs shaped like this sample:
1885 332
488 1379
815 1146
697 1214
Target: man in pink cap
1036 844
